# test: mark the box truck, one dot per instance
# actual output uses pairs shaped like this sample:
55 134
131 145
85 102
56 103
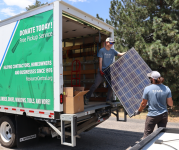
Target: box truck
39 51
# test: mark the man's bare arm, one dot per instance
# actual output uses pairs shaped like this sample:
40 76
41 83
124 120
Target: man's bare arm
120 54
100 64
143 105
170 101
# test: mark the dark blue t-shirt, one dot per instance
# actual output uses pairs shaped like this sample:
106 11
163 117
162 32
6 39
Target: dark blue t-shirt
107 56
157 95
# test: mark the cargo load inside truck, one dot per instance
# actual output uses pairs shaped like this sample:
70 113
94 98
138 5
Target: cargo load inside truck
82 42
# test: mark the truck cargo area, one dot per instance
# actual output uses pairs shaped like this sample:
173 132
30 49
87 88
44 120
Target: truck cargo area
82 42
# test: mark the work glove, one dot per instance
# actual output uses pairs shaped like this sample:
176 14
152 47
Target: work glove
102 73
136 113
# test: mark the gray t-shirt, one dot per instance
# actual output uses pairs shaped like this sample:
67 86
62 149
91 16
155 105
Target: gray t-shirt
157 95
107 56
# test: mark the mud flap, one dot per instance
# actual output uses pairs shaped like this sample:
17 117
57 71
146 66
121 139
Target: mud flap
26 131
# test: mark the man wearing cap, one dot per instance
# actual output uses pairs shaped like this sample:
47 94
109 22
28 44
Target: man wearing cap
106 56
157 95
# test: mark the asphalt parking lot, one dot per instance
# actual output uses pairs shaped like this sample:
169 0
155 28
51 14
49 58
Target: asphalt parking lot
110 135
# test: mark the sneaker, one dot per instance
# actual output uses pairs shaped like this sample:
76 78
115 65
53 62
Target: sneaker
109 103
86 100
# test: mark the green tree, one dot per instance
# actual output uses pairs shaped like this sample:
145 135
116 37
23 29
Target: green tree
37 4
151 26
107 21
164 48
97 16
129 21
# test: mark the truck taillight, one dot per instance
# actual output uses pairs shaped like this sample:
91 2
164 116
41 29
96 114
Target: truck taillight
61 98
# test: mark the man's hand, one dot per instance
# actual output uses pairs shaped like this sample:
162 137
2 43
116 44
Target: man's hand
136 113
102 73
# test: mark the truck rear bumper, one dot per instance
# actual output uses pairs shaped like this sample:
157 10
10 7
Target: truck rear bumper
92 107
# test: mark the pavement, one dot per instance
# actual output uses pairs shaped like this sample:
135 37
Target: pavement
110 135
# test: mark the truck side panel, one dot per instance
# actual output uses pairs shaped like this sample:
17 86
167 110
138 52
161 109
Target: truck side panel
6 35
27 14
58 66
26 63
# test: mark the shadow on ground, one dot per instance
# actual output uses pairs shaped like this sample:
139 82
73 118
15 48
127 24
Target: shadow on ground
96 139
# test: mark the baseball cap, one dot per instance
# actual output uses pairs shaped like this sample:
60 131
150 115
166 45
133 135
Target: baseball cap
110 40
154 74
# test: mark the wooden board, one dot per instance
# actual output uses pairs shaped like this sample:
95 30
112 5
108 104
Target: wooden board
78 47
98 99
82 72
99 90
75 55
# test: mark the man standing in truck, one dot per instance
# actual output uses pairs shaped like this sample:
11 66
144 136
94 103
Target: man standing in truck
106 56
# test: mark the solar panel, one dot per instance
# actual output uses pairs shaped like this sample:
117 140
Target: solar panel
128 77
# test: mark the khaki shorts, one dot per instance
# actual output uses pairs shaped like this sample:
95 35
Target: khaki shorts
151 121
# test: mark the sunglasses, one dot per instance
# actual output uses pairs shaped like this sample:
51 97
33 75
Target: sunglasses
111 43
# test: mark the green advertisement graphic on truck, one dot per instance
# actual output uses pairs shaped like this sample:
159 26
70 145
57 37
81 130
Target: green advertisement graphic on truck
26 63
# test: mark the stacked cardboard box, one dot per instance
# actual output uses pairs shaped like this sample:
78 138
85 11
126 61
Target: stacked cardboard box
73 101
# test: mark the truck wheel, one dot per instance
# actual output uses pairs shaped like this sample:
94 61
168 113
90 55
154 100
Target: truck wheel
7 132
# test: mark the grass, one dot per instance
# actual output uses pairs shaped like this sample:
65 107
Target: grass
172 117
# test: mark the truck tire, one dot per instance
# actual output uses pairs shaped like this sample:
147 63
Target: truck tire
7 132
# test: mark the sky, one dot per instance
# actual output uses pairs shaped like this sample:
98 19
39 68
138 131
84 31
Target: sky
9 8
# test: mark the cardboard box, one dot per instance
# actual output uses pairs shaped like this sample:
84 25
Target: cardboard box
70 91
73 102
76 92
